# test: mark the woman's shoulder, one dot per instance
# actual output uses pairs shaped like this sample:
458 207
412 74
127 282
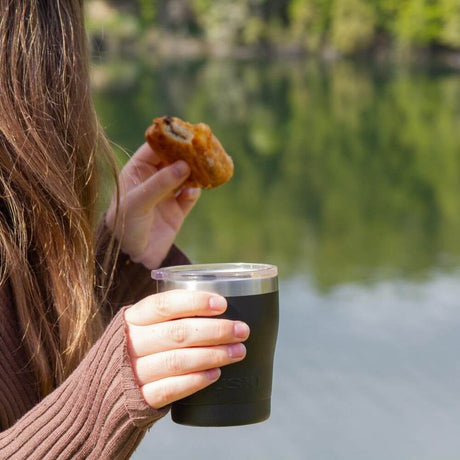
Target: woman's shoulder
17 381
9 323
6 304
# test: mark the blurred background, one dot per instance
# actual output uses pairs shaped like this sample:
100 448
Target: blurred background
343 120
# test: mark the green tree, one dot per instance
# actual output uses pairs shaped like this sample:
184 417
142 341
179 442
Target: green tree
450 29
349 26
310 21
147 11
419 22
341 171
353 25
223 21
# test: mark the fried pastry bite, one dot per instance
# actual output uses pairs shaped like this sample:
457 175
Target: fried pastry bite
173 139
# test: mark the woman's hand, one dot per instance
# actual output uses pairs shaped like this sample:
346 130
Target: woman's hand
174 353
152 206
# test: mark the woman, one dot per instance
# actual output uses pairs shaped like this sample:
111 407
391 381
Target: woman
89 357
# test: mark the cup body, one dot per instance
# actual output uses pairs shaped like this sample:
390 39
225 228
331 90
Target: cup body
242 395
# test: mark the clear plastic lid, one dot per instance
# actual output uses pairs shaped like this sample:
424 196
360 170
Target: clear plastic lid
204 272
223 278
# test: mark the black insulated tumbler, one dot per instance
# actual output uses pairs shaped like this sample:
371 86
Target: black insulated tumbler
242 394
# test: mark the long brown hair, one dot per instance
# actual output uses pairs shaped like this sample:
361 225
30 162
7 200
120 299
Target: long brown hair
50 142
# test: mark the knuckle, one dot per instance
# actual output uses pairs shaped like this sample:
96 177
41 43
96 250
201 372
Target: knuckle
222 329
173 363
178 332
161 305
165 178
215 358
166 394
202 380
195 301
195 380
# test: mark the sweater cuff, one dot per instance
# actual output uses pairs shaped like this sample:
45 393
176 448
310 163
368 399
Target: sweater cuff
97 412
132 281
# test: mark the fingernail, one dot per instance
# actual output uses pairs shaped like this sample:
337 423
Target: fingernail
217 303
236 350
241 330
180 169
213 374
193 193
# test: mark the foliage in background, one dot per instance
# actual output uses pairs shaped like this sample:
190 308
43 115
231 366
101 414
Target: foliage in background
353 25
341 171
147 11
106 23
347 26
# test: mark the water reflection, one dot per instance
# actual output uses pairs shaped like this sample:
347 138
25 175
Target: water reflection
361 373
342 171
347 177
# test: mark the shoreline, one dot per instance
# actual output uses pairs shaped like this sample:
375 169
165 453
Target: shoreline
164 46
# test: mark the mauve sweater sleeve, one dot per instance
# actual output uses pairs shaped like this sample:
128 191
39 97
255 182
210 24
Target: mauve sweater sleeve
97 413
132 281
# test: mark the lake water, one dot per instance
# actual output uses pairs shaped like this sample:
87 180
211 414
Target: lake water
347 176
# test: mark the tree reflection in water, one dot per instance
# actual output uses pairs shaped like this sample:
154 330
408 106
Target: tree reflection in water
347 172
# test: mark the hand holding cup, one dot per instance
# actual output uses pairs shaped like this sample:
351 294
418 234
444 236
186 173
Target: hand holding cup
175 345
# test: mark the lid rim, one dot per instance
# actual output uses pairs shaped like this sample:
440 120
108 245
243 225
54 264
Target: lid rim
219 272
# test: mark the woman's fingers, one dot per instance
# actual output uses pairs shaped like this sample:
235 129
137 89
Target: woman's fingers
149 193
187 198
185 361
178 303
140 166
135 175
175 345
144 154
185 333
165 391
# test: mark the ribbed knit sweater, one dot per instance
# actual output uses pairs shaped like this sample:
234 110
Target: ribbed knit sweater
98 412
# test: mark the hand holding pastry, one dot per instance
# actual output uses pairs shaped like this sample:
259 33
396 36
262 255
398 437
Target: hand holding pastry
161 183
153 206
